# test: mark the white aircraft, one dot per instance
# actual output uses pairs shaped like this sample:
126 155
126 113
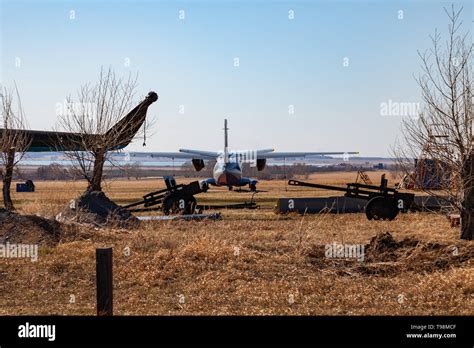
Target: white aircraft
228 168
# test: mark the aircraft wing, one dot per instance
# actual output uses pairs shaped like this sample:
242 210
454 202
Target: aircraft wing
261 154
301 154
122 133
162 155
183 153
49 141
201 154
264 152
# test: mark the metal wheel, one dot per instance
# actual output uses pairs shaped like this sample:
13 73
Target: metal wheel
182 205
381 208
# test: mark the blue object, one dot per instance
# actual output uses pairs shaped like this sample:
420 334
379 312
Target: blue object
28 186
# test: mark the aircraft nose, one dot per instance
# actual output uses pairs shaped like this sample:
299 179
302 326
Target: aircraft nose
228 179
222 180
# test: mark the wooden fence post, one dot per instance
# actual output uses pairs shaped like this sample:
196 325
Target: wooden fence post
104 281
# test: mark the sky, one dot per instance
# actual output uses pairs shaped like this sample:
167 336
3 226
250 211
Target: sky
288 75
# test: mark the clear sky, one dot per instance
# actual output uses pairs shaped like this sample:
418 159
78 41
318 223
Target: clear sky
333 63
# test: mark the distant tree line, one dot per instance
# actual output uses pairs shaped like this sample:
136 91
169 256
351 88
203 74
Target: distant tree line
136 171
280 171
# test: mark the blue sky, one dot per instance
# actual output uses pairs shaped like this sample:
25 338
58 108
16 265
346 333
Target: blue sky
284 64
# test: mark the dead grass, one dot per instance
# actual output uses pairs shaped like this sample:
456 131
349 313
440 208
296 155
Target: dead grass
248 263
241 267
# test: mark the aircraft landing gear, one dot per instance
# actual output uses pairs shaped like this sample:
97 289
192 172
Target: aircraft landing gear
253 187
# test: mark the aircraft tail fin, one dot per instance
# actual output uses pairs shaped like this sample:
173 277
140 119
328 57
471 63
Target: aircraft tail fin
226 142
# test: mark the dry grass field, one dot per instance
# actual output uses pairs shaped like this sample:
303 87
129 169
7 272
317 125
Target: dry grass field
249 263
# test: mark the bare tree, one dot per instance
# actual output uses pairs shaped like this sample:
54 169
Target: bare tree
132 170
13 140
442 135
98 122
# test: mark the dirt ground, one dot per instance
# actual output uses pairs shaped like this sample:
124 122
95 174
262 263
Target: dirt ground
251 262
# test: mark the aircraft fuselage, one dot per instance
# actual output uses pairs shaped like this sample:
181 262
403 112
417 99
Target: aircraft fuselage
228 174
